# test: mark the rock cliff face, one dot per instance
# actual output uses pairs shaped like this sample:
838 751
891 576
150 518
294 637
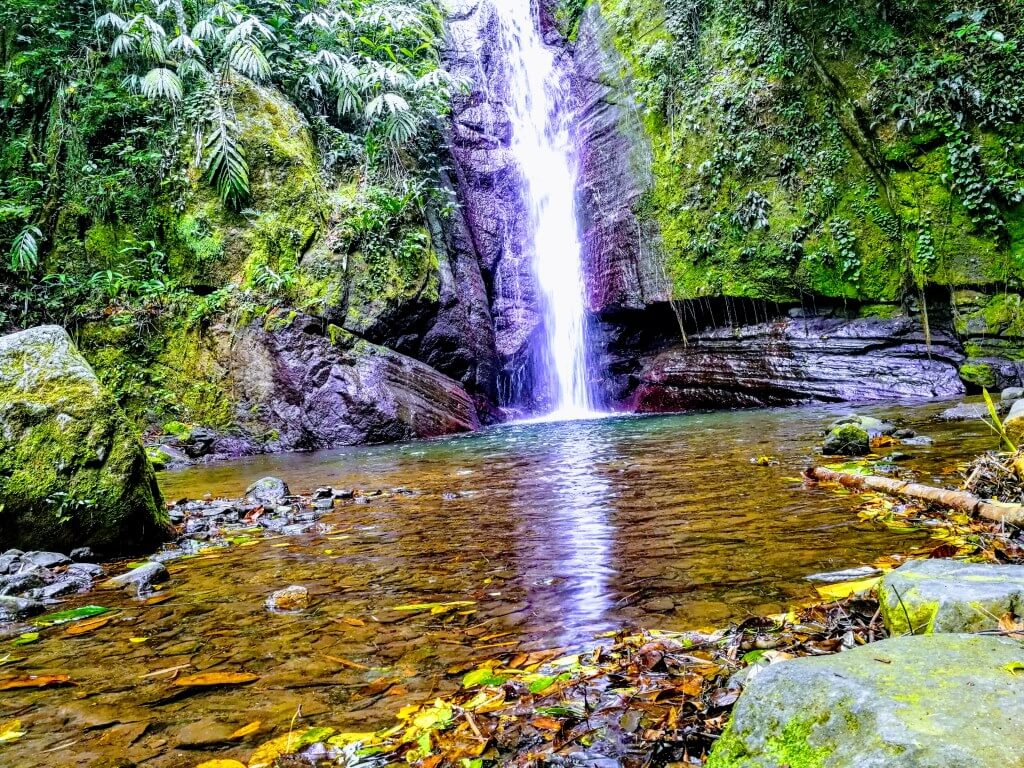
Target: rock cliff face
319 387
624 265
796 360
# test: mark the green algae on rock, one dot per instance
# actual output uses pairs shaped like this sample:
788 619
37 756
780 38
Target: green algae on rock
926 596
72 471
847 440
898 703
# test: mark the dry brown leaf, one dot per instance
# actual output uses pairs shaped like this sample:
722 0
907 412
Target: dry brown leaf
345 662
1012 624
83 627
35 681
210 679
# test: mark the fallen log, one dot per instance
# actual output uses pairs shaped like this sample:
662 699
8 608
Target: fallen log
1010 514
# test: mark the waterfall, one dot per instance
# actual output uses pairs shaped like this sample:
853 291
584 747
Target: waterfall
543 149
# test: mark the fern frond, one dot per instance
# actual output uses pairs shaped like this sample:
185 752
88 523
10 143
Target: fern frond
122 45
161 82
225 163
186 46
25 250
400 127
248 59
111 20
206 30
389 102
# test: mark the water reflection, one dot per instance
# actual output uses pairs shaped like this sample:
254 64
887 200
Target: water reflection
573 490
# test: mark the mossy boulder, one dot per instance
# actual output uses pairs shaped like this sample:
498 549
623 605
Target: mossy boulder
937 701
847 440
72 471
926 596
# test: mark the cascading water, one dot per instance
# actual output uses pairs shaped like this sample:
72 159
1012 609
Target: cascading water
543 150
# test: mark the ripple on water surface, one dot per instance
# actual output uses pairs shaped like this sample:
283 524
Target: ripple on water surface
550 532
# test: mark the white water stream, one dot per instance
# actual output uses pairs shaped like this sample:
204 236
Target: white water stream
542 144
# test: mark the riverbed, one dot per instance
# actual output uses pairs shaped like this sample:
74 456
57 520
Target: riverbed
519 538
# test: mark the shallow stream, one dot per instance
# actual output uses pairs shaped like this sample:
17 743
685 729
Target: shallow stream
546 534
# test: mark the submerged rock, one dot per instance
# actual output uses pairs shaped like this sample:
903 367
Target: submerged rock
964 411
289 600
140 580
899 703
874 427
847 440
926 596
72 471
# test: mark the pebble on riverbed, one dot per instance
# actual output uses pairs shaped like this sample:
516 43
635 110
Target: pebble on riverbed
289 600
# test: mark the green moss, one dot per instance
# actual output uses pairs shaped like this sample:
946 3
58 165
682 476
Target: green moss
903 617
979 374
77 474
791 746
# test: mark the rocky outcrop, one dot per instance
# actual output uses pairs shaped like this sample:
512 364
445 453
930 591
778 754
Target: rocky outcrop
319 387
925 596
488 180
72 471
801 359
898 703
623 264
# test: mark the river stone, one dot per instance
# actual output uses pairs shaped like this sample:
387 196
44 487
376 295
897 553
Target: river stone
12 608
289 600
1011 394
140 579
847 440
47 559
938 701
874 427
925 596
964 412
72 470
268 490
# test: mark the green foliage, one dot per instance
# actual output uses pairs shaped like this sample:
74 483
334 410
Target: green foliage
845 149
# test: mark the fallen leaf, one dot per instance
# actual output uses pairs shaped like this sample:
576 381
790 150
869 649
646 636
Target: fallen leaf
11 731
221 764
25 638
1014 667
847 588
74 614
546 723
82 627
266 754
245 730
345 662
351 621
138 640
157 599
35 681
210 679
1010 623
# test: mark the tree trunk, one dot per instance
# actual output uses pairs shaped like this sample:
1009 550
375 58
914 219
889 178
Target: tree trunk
962 501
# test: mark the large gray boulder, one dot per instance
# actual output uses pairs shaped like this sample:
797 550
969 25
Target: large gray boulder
322 387
73 472
938 701
926 596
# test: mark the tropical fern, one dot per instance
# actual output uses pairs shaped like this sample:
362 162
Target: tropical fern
24 255
225 161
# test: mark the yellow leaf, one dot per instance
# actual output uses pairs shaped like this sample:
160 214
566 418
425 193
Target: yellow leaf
221 764
266 754
847 588
11 731
245 730
138 640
